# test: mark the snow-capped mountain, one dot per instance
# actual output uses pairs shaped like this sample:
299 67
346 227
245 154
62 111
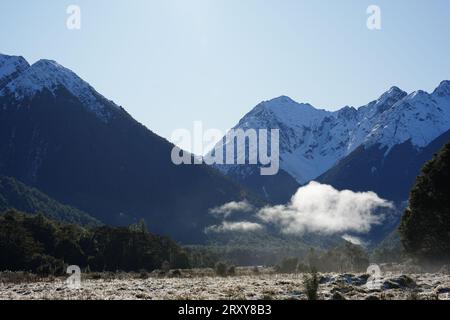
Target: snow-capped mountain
11 67
28 81
57 134
313 141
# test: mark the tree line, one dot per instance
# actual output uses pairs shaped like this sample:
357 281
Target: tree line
38 244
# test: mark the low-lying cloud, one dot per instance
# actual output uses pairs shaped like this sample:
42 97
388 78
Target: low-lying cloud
241 226
319 208
354 240
315 208
231 207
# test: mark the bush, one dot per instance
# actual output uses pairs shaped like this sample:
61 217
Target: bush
19 277
231 271
45 266
221 269
175 273
165 267
311 283
143 274
255 270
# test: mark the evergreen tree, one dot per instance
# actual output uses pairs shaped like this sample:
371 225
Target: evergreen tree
33 242
425 226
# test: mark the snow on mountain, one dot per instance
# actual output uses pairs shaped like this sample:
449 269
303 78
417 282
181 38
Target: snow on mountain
312 141
10 67
420 117
49 75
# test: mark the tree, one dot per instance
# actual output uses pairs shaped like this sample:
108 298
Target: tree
311 283
36 243
16 244
357 257
425 225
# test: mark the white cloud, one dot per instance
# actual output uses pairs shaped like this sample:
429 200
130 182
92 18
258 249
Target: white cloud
242 226
354 240
231 207
322 209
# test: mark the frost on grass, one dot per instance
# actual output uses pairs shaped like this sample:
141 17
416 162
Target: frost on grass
245 285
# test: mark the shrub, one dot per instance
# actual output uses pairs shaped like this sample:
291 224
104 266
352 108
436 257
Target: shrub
165 267
143 274
231 271
221 269
311 283
45 265
255 270
17 277
175 273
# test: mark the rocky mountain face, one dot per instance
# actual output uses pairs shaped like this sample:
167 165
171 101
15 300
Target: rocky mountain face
61 136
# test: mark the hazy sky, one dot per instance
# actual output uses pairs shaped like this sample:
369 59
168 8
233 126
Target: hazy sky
171 62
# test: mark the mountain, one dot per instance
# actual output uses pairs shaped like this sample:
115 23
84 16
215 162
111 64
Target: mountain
61 136
11 67
390 174
380 146
14 194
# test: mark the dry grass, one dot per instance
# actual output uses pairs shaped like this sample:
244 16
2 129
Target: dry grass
18 277
199 284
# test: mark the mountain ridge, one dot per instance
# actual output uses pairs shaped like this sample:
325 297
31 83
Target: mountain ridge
313 141
105 163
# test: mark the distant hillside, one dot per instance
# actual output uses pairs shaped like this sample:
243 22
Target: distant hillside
14 194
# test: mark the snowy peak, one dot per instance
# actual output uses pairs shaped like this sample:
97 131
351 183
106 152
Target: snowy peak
393 94
281 100
46 74
285 110
280 113
313 140
419 118
347 113
383 103
284 104
49 75
443 90
11 67
390 98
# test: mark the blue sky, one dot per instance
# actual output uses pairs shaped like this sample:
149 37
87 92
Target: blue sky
171 62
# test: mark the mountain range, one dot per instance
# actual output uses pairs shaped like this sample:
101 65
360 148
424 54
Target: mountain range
377 147
59 135
63 139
